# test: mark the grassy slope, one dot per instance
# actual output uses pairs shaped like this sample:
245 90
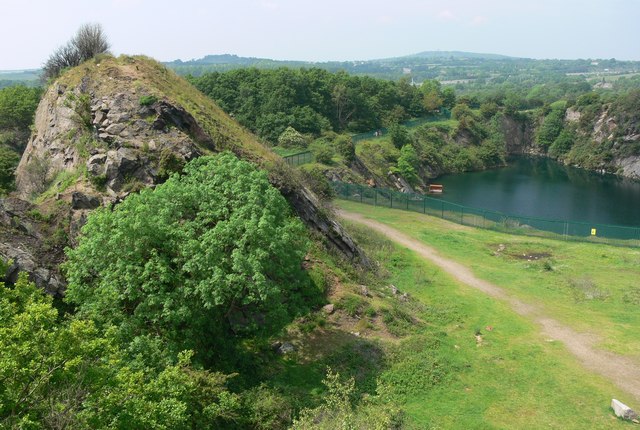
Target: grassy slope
591 287
516 379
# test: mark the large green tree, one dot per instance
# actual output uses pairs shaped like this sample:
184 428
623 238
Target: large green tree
202 257
60 373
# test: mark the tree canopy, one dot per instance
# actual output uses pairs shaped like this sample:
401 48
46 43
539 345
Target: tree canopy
204 256
313 100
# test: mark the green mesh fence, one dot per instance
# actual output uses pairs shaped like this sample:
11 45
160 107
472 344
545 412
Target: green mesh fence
299 158
531 226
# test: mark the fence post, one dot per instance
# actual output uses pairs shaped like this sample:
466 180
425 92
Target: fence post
391 199
462 216
361 193
424 205
442 209
375 197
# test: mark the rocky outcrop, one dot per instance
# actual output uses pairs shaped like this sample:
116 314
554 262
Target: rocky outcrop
116 127
311 212
31 245
118 141
604 128
399 183
628 166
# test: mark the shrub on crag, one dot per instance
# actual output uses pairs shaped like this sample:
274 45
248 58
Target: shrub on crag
207 255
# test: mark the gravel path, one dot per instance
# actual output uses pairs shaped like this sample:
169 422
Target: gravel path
622 371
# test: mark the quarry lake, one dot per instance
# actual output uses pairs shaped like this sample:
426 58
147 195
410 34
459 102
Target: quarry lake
540 187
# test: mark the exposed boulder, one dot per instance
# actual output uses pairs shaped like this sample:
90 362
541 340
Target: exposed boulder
105 130
329 308
84 201
623 411
286 348
400 183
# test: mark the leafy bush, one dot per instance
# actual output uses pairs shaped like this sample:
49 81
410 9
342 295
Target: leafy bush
399 135
208 254
408 164
337 410
563 143
550 128
323 153
345 147
318 182
290 138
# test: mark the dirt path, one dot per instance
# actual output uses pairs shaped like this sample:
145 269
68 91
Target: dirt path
622 371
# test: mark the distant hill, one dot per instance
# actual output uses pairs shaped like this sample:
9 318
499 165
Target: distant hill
457 54
235 60
449 67
29 77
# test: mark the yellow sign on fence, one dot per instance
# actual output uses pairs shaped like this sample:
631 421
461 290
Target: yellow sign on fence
593 232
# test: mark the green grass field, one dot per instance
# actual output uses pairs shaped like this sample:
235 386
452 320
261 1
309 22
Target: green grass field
516 378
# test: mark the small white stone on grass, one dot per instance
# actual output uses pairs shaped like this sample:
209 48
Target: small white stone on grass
623 411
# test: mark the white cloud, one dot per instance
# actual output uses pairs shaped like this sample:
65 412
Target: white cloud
479 20
446 15
270 4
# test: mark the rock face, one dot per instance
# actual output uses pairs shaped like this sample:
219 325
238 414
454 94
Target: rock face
83 201
120 142
519 136
30 246
629 166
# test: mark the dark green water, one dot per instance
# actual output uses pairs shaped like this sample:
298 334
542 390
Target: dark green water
539 187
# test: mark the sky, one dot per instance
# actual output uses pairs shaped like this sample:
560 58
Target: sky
323 30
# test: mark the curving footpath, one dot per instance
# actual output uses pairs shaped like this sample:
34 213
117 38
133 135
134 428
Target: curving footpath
622 371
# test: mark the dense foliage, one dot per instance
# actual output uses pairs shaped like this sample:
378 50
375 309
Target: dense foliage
65 373
315 100
209 254
17 109
18 106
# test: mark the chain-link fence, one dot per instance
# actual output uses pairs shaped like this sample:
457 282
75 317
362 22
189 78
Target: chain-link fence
531 226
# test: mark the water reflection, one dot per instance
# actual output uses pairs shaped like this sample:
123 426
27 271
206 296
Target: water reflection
541 187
